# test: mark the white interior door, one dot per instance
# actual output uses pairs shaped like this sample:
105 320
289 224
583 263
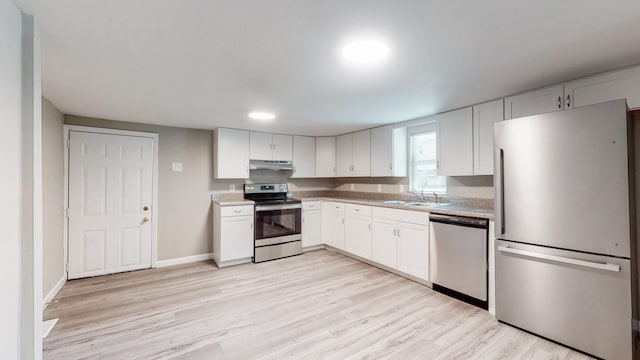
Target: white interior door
110 202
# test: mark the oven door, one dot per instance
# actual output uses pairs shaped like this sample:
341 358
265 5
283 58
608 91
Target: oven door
277 223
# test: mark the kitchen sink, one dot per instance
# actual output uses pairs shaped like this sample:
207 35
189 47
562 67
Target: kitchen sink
395 202
412 203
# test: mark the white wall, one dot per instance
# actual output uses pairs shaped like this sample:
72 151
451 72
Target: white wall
10 152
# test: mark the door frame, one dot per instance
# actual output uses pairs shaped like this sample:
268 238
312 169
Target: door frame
154 174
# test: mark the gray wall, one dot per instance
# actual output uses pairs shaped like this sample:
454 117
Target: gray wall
185 225
52 196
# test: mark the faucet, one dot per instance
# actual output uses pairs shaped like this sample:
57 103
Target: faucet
420 196
436 195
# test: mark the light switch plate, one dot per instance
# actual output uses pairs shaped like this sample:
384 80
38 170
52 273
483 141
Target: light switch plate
176 167
232 187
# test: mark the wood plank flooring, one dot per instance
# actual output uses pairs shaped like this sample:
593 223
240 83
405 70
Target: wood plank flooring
320 305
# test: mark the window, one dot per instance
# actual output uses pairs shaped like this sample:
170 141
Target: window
423 160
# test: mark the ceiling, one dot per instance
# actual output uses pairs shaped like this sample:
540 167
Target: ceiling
204 64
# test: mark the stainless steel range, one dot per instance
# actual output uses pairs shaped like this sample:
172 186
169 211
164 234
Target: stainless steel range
277 222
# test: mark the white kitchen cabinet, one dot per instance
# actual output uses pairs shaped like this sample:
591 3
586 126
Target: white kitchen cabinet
534 102
620 84
311 223
325 156
353 154
358 230
389 151
413 249
265 146
231 154
455 143
484 115
232 234
333 224
304 157
384 242
400 240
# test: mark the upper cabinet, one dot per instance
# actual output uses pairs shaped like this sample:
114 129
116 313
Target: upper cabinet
231 154
484 115
326 156
265 146
389 153
454 152
353 154
304 157
534 102
622 84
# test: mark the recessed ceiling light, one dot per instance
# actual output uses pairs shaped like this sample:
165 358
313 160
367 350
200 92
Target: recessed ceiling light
261 115
365 51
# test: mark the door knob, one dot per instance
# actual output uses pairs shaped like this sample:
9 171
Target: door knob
145 208
146 219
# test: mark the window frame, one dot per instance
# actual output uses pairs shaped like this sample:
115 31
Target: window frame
431 126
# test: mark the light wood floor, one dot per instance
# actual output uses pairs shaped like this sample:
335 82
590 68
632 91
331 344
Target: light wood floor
321 305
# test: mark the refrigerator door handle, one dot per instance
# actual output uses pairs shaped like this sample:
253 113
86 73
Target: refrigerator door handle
499 184
561 259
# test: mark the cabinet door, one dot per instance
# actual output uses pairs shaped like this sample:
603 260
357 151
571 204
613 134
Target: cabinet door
358 236
311 228
344 152
236 237
484 115
304 157
455 143
413 250
261 146
335 230
282 147
534 102
382 151
326 156
361 158
231 154
623 84
384 243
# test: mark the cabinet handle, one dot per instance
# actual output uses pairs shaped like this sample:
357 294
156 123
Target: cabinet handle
369 226
274 146
303 219
356 209
395 232
559 102
398 232
568 100
343 221
437 164
334 169
237 211
295 168
390 166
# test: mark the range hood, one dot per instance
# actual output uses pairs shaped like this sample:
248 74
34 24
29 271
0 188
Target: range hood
273 165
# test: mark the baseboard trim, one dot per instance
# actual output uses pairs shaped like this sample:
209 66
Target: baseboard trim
313 248
184 260
52 294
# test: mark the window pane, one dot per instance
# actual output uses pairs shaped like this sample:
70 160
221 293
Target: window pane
423 164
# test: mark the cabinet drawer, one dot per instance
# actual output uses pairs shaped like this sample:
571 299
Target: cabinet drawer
362 210
311 205
336 207
408 216
242 210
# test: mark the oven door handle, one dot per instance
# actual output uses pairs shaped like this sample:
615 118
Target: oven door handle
278 207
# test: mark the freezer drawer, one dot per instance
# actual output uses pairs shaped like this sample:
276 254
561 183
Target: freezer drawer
577 299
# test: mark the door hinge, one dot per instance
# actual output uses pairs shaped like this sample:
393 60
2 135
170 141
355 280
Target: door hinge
66 213
66 267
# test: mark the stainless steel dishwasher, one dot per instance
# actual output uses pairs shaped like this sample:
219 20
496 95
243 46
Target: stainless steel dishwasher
458 257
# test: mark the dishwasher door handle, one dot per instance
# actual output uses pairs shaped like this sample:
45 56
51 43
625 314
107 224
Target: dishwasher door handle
561 259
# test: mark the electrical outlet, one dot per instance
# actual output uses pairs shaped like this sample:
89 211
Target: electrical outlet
353 187
232 187
379 187
401 188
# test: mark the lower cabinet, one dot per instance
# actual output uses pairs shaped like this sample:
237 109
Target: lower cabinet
333 224
358 230
232 234
311 224
399 244
413 250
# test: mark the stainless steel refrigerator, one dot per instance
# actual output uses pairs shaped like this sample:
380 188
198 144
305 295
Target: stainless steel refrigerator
564 236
